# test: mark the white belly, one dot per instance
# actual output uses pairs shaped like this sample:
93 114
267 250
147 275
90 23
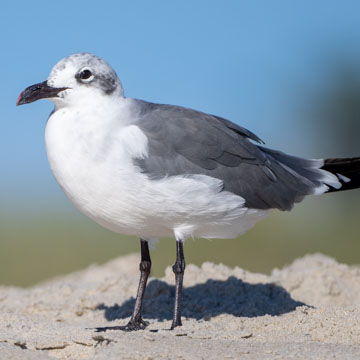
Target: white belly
92 163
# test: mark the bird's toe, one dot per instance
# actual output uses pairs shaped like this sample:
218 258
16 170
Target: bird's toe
135 325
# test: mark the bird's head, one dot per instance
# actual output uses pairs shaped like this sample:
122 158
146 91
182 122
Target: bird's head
75 78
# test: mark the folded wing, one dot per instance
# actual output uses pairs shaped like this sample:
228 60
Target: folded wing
183 142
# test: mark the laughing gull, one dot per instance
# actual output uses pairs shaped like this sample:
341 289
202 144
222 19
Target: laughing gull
153 170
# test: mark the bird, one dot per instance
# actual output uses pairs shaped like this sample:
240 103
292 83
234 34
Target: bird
156 170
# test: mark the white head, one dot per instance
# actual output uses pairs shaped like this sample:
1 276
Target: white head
75 78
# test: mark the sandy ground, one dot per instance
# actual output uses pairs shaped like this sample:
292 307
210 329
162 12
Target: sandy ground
308 310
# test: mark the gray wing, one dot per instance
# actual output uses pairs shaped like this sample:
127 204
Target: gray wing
184 141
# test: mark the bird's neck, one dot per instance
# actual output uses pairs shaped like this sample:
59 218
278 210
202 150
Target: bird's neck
87 128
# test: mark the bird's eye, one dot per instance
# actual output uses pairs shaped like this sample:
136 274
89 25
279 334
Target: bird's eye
86 75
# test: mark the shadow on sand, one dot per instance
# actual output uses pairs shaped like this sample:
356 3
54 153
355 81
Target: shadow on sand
203 301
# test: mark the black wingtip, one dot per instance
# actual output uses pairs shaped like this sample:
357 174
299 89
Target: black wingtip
344 167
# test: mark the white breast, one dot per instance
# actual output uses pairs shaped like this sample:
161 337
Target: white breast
90 156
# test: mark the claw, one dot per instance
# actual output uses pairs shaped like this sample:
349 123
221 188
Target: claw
135 325
175 324
132 325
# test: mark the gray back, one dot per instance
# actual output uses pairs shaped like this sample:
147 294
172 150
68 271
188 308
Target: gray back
183 141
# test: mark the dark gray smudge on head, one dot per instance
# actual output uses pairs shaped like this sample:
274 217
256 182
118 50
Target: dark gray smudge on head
106 82
105 78
186 142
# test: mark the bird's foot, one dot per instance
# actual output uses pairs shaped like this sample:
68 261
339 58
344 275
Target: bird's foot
135 325
132 325
175 324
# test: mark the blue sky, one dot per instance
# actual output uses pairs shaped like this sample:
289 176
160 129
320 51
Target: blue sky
252 62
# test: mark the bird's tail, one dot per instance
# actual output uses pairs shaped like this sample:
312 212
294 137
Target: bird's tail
318 176
347 170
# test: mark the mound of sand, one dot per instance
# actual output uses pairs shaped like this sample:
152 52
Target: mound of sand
308 310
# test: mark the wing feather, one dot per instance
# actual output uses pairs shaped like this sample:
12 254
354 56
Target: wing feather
183 141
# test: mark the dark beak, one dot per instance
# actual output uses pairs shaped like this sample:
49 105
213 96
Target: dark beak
36 92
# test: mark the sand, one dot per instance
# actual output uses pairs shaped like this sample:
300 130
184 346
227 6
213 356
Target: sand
308 310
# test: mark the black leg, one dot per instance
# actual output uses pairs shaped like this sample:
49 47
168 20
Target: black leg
136 322
178 268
